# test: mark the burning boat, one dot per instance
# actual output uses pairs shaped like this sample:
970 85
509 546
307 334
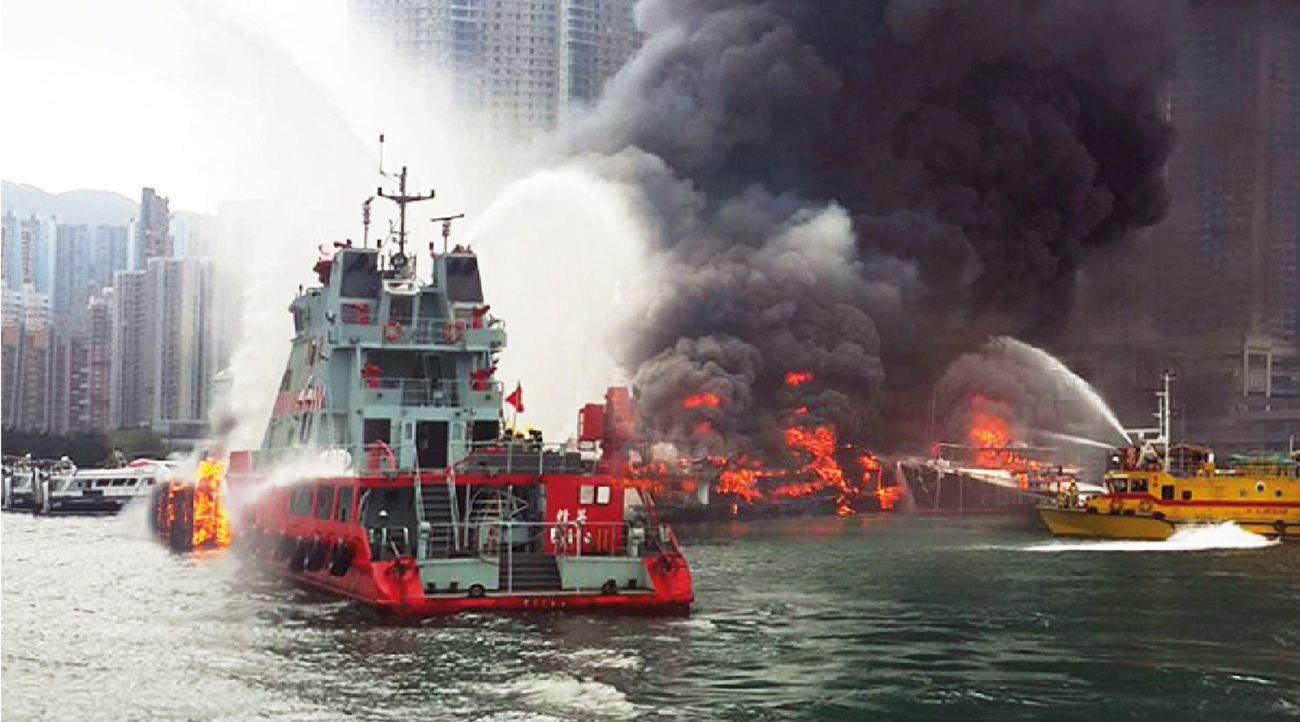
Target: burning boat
811 471
435 507
1153 488
190 514
992 473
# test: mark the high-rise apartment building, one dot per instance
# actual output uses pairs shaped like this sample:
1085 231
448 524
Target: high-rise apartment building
1228 251
73 285
152 233
597 37
178 294
520 63
28 252
129 404
12 253
29 344
99 361
1225 285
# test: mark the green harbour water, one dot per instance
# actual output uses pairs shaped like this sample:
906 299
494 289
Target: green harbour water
867 618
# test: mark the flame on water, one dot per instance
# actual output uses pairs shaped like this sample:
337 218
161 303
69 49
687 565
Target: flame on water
798 378
211 524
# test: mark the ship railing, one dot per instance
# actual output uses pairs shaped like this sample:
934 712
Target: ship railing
340 459
396 331
495 539
451 331
415 392
524 457
389 542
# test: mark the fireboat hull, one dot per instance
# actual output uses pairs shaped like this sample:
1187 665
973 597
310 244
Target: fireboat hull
394 589
1089 524
498 566
1081 523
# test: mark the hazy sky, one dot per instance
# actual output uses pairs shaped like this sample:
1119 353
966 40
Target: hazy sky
239 99
118 95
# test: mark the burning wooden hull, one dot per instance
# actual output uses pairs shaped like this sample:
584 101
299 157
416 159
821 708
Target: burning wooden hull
190 514
945 490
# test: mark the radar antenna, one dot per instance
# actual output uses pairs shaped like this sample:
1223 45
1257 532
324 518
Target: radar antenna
446 229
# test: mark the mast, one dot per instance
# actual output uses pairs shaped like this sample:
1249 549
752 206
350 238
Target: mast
401 199
1165 416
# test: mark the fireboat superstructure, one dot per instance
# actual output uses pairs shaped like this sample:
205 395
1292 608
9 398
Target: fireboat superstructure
432 504
1154 488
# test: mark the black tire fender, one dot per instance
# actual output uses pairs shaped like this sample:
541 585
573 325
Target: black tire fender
341 558
298 559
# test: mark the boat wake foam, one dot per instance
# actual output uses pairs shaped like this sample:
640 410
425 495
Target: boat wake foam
1197 538
568 694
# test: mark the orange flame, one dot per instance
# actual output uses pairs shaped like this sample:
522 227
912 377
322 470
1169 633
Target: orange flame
797 378
708 399
819 441
990 434
211 525
739 481
888 496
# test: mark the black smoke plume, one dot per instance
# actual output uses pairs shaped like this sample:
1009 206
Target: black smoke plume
864 190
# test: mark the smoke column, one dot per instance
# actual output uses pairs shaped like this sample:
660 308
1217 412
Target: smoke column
865 190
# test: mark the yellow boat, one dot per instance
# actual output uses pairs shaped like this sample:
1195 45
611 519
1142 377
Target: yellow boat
1154 489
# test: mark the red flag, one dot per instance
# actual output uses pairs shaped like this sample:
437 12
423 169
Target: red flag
516 398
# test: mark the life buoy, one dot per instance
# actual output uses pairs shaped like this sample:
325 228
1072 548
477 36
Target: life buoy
1145 506
452 332
393 331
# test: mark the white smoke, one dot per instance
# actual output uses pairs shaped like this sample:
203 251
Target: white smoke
269 114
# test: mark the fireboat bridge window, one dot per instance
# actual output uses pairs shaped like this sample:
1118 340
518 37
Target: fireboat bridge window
360 275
